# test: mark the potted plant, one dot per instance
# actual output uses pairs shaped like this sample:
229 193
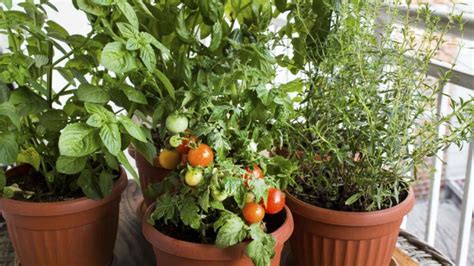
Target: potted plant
212 114
367 117
60 197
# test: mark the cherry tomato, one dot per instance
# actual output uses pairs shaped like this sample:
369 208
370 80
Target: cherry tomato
184 148
201 156
167 159
275 201
193 177
256 171
219 195
176 123
253 213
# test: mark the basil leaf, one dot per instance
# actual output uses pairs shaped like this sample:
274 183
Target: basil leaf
118 59
128 12
91 93
70 165
110 136
78 140
7 109
8 148
29 156
106 181
148 57
133 129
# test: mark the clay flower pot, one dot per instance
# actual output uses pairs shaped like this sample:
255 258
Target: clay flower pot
148 174
329 237
172 252
75 232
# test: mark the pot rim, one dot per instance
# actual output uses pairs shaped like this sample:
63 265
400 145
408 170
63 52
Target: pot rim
199 251
25 208
346 218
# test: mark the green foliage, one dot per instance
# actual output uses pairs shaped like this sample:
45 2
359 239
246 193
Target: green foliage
80 145
368 113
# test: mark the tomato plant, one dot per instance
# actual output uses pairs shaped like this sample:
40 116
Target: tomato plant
184 148
275 201
253 212
253 171
201 156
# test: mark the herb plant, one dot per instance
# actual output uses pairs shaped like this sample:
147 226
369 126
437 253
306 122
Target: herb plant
368 113
71 148
205 70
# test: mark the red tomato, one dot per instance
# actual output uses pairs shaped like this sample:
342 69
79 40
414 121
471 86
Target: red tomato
201 156
275 201
256 171
184 147
253 213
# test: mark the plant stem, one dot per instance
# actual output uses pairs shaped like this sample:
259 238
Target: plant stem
50 78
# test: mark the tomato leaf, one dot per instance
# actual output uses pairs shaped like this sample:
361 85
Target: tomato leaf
189 213
261 248
165 209
232 231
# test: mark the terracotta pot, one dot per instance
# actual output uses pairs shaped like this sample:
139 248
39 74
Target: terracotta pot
329 237
75 232
172 252
148 174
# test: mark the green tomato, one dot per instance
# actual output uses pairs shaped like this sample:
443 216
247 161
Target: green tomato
175 141
176 123
219 195
193 177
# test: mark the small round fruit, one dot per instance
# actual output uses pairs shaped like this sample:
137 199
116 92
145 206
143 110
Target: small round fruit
219 195
168 159
176 123
176 141
201 156
193 177
184 147
275 201
253 212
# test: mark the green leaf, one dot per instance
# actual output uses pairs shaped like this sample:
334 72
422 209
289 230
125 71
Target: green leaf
134 95
146 149
117 58
182 31
165 209
95 120
127 30
106 181
92 94
8 148
27 102
233 231
104 2
189 213
280 5
7 109
90 7
133 44
110 136
29 156
8 4
53 120
295 85
70 165
204 200
40 60
78 140
128 12
111 160
262 248
88 184
259 188
166 82
216 36
165 52
353 198
123 160
104 113
148 57
56 31
133 129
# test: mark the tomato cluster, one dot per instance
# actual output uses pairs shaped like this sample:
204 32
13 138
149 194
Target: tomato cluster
253 212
